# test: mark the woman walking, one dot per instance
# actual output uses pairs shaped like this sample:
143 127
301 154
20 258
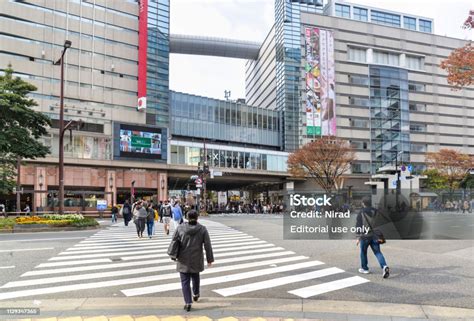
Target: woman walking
139 218
150 220
186 247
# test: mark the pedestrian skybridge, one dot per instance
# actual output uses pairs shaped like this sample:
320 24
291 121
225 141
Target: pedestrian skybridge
210 46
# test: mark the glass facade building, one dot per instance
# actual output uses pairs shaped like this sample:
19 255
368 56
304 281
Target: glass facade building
158 63
389 116
220 120
221 156
288 66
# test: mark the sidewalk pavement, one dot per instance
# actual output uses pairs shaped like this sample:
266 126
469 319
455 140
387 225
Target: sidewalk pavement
226 309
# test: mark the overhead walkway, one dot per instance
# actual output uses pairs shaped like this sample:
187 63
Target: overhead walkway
210 46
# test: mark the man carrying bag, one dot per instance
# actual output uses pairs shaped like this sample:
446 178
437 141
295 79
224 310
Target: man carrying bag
372 238
186 248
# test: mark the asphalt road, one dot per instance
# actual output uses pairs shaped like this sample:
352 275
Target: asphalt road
435 272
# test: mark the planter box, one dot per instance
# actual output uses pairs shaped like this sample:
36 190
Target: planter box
29 226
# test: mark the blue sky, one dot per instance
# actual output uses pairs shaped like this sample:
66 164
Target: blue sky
252 19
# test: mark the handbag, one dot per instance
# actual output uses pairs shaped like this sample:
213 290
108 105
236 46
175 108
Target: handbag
377 233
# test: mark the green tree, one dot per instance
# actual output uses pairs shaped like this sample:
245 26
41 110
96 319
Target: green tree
20 127
435 180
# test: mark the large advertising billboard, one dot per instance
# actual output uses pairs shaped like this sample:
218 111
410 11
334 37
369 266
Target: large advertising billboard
320 105
143 142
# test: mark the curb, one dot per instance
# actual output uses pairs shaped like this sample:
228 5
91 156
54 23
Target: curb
242 307
49 229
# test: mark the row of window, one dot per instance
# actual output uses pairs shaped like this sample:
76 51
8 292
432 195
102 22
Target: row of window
191 156
381 17
384 58
76 17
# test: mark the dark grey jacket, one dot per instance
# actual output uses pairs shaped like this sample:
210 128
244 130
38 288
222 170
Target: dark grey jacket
187 248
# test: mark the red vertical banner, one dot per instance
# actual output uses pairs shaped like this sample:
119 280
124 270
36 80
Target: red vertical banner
142 52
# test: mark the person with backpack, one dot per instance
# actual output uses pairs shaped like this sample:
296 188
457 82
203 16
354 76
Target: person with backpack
166 213
115 212
186 248
126 213
373 238
150 220
139 218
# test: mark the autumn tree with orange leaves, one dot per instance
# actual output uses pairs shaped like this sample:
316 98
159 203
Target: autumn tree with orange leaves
450 164
460 66
324 160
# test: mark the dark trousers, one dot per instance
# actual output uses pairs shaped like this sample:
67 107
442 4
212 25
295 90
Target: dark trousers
140 226
185 285
149 227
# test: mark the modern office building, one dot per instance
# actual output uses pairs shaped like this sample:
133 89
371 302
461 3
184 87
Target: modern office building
368 75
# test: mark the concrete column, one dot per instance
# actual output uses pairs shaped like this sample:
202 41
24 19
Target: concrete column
111 186
40 184
162 186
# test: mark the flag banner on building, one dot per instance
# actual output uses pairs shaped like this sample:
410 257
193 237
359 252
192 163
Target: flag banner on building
142 52
319 75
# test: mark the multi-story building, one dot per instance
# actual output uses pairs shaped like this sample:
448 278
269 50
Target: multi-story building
368 75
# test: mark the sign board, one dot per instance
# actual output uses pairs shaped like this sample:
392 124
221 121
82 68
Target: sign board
222 198
198 185
217 173
101 205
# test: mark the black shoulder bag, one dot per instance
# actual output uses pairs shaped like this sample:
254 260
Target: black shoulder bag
377 233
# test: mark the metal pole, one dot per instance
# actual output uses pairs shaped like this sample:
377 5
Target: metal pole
61 138
18 185
398 183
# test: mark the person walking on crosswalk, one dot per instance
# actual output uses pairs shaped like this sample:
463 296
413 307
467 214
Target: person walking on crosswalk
139 218
166 213
373 238
150 220
186 248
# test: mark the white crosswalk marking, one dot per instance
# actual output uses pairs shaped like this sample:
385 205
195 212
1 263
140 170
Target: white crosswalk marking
116 258
314 290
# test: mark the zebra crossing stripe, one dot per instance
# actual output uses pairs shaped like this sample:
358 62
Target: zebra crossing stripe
135 240
220 279
143 279
314 290
149 262
145 246
131 236
75 262
98 275
151 256
245 288
148 251
79 247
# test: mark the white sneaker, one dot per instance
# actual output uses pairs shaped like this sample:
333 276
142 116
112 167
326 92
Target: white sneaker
386 272
364 271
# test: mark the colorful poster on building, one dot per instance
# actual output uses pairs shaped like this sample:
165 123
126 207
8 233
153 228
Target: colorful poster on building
142 52
319 75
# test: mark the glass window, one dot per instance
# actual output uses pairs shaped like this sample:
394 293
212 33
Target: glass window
227 115
416 87
181 155
264 162
409 23
418 148
235 159
248 165
417 107
418 127
425 25
359 80
386 58
385 18
360 123
174 154
360 14
357 54
414 62
228 159
343 11
222 158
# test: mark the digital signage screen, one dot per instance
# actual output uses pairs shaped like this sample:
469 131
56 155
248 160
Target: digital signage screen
140 142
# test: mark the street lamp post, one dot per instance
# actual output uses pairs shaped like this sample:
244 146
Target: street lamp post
397 191
41 183
60 61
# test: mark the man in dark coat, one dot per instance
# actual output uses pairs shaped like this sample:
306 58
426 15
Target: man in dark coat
186 248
